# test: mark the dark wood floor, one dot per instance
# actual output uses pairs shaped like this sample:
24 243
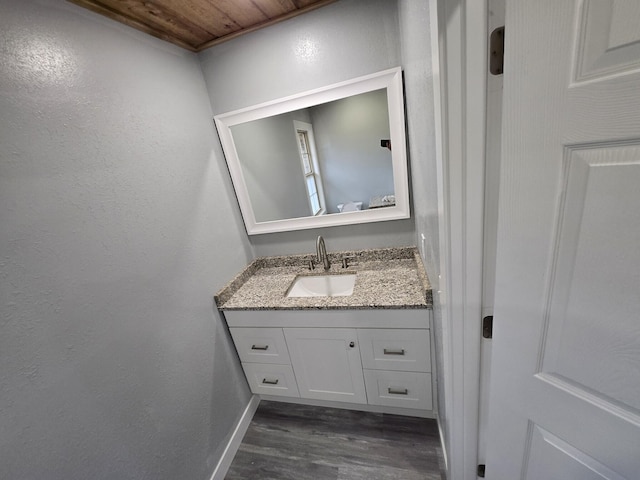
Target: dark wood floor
300 442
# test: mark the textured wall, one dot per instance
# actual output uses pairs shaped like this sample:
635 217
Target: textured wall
418 76
119 222
117 225
344 40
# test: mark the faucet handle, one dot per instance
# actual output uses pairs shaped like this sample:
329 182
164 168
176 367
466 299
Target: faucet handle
311 265
345 261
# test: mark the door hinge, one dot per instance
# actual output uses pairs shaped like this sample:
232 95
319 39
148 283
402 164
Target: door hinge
487 327
481 471
496 51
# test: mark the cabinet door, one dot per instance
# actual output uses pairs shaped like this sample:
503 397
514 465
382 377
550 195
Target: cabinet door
327 364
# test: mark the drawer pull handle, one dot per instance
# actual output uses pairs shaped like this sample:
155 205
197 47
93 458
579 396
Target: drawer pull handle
270 382
398 391
394 351
259 347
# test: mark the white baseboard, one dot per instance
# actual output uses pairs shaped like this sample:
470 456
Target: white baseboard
443 446
236 439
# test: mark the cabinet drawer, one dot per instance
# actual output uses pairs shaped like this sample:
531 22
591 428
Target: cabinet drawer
271 379
403 350
261 345
399 389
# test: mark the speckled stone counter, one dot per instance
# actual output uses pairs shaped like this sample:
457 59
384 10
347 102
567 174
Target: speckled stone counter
386 278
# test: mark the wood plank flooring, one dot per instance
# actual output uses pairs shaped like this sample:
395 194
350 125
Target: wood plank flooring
301 442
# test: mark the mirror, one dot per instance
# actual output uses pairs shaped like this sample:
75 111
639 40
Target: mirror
331 156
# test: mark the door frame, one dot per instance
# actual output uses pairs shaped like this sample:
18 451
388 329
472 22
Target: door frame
460 66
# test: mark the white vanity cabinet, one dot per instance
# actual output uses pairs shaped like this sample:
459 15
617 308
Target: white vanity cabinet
378 358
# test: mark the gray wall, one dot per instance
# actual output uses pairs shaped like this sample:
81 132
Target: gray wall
419 84
348 132
271 167
118 224
344 40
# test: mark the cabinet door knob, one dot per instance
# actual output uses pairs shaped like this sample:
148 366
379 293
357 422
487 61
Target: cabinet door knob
352 344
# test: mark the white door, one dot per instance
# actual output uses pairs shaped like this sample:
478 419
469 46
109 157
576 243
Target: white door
327 363
565 392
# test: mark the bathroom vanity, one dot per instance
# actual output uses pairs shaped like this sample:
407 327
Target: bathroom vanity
369 349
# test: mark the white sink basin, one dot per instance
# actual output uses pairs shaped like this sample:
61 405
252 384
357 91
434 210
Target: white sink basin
322 286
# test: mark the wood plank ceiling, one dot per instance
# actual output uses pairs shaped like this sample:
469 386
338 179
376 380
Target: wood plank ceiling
199 24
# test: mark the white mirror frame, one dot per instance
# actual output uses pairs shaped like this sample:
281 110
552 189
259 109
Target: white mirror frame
391 80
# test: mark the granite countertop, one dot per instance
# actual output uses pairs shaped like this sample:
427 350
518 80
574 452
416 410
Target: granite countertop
386 278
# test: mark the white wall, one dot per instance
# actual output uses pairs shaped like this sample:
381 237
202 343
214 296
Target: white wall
118 224
344 40
460 80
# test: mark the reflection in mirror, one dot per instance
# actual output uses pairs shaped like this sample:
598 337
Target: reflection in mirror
320 158
316 160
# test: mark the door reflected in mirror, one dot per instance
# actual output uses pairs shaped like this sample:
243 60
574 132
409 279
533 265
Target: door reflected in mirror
320 158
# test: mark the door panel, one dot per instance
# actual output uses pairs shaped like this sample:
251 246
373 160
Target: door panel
593 333
565 391
550 457
609 38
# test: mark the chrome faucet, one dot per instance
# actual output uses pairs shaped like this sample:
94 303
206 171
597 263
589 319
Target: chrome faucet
321 253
